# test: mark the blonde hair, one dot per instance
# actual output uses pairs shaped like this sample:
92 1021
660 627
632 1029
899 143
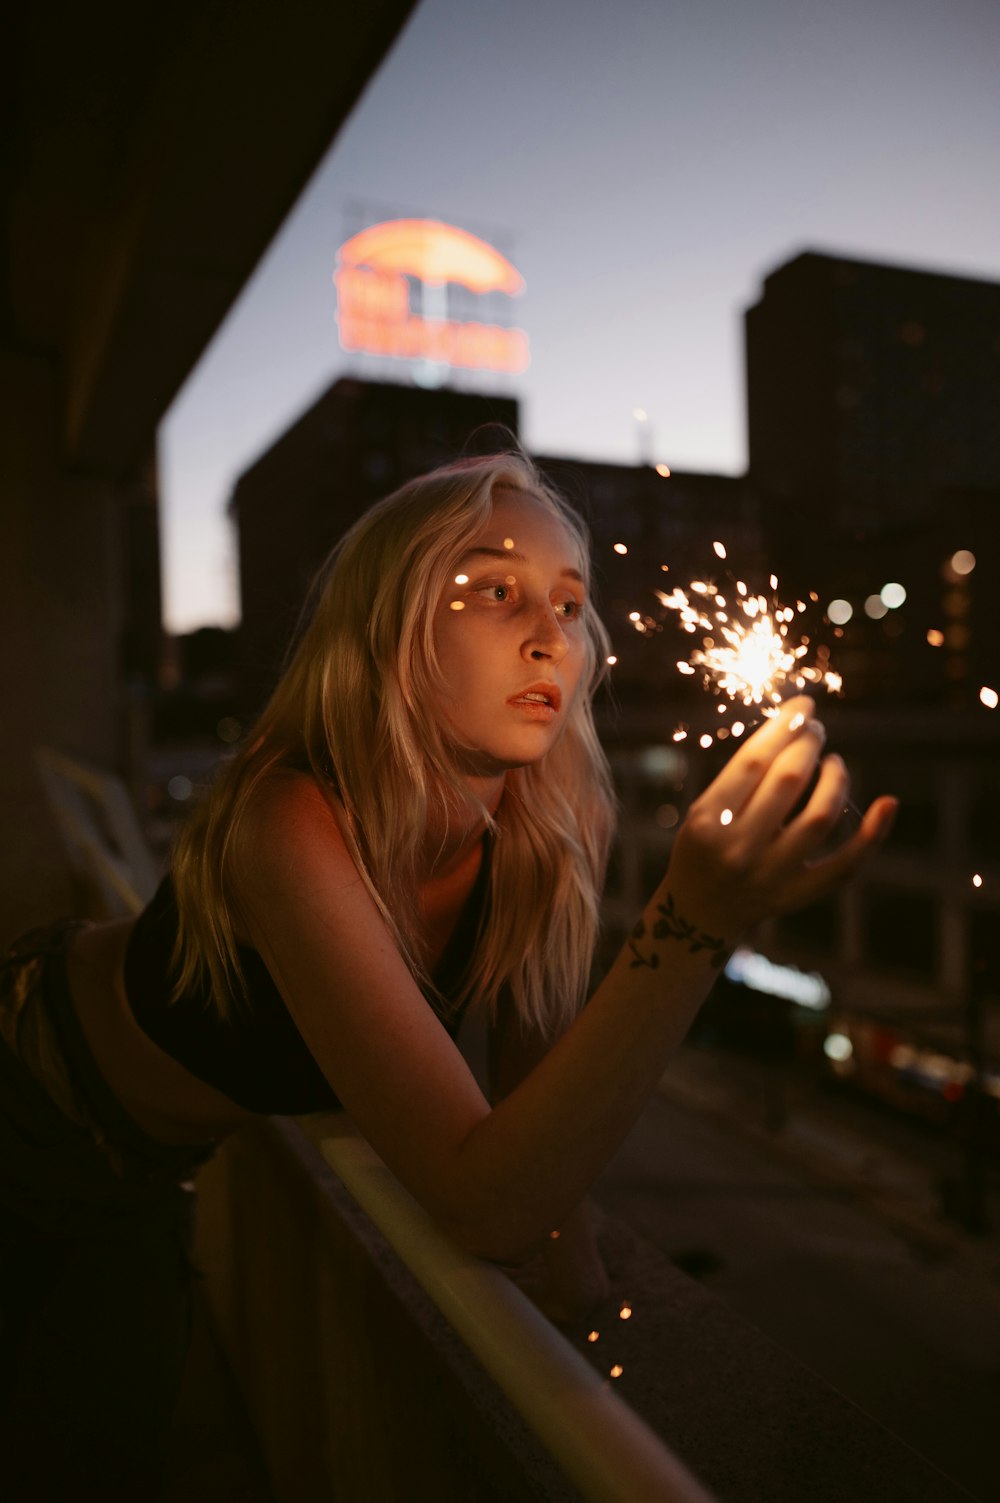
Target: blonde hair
355 708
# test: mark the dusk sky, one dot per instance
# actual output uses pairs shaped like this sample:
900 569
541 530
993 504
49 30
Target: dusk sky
645 165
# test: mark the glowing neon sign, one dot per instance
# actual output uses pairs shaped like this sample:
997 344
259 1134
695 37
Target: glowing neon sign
373 295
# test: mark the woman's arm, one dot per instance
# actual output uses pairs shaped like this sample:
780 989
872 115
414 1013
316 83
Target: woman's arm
566 1278
499 1180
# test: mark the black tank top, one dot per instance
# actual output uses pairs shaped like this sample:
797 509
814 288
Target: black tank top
256 1057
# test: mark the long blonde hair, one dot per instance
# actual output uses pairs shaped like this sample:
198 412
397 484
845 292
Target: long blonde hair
354 707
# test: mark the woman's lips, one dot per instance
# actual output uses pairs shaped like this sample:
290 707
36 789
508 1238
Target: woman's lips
541 701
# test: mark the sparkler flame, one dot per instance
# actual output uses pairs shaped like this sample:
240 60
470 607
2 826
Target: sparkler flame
754 661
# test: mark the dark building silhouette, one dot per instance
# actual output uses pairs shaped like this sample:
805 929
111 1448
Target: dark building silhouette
872 391
874 434
357 443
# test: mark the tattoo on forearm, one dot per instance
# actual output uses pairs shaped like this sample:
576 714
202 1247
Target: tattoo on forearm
671 925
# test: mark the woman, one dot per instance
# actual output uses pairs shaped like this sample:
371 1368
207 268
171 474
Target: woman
419 823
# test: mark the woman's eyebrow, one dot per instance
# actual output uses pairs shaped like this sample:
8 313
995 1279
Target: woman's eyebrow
567 572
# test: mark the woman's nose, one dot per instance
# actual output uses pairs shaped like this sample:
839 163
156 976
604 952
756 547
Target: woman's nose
546 638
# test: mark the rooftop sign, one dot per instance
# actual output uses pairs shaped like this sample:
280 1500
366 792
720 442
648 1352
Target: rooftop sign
374 314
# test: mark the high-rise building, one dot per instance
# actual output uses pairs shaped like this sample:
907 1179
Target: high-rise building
873 399
872 390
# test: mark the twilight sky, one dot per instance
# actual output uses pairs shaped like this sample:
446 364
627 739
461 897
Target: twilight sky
644 164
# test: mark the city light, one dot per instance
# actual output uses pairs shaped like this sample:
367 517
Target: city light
838 1047
963 562
893 596
840 611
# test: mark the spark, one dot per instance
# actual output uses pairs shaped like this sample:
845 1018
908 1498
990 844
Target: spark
726 817
617 1370
748 655
720 550
625 1313
461 579
977 880
935 637
554 1236
704 742
621 547
611 661
593 1335
663 470
989 697
458 605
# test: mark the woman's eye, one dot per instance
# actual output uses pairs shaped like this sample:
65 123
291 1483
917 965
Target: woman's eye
497 592
569 609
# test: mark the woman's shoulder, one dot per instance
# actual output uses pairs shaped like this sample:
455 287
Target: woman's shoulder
287 804
291 825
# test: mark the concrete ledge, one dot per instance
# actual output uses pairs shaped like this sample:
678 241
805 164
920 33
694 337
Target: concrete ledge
355 1380
750 1421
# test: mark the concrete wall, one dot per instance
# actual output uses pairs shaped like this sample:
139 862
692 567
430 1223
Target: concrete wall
59 627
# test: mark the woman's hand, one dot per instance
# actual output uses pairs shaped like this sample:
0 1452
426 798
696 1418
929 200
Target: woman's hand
739 856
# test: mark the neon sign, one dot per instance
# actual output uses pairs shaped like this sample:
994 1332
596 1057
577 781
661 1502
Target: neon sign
373 296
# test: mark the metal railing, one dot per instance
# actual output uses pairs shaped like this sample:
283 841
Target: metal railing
604 1448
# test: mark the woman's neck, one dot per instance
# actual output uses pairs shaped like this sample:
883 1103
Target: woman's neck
454 833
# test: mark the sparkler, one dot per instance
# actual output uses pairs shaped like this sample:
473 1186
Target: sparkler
748 652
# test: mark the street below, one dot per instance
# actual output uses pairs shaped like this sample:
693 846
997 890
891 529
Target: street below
819 1220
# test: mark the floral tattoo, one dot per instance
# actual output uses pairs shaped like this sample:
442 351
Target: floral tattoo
671 925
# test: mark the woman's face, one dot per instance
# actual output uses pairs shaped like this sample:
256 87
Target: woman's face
510 637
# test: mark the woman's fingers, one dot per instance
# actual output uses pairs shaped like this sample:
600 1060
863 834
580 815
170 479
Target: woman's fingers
814 824
744 773
783 785
820 877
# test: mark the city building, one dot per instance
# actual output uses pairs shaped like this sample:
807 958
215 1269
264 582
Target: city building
873 405
355 444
